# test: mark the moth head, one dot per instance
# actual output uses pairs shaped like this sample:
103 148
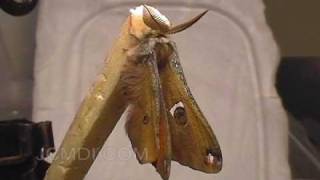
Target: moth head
160 23
156 21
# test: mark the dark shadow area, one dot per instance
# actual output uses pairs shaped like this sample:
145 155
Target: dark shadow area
298 84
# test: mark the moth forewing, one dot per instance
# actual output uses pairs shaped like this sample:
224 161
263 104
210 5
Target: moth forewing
141 89
193 141
147 125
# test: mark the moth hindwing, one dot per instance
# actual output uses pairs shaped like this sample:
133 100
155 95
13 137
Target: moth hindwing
164 121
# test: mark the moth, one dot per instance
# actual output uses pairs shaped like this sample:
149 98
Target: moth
142 74
164 121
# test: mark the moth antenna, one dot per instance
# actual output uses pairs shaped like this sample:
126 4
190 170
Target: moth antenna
187 24
153 19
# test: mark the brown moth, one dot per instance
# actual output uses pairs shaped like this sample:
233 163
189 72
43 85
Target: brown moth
164 121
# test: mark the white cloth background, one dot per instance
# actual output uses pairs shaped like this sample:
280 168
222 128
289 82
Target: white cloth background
229 58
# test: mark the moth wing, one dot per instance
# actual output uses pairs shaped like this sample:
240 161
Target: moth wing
147 125
193 142
140 87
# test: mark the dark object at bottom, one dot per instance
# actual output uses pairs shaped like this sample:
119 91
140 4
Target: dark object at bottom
23 145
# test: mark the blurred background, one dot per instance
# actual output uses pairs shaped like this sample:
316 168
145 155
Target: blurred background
295 25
